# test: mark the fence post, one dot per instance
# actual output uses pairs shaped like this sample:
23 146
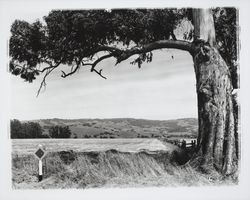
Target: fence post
183 144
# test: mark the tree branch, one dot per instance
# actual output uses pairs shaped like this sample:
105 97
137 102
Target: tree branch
120 56
48 71
64 75
99 73
43 83
161 44
99 60
44 69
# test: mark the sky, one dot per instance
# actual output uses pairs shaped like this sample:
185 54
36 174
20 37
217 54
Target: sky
163 89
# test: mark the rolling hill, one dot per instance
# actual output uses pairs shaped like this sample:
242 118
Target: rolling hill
125 127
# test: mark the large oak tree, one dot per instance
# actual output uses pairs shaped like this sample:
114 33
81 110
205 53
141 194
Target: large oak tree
84 38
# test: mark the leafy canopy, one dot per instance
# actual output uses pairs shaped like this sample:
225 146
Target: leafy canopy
75 37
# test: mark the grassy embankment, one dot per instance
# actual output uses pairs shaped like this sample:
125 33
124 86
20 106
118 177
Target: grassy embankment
68 169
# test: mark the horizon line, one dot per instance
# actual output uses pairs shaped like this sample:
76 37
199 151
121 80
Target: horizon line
105 118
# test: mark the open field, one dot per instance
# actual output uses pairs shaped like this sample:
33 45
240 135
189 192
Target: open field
29 146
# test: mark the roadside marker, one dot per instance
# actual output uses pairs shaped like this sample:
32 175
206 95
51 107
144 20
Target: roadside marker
40 153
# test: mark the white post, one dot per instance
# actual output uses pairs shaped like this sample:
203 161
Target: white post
40 166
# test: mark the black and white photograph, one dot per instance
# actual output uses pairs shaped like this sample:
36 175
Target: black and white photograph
128 98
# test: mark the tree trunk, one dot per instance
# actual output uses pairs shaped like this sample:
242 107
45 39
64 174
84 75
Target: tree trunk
216 139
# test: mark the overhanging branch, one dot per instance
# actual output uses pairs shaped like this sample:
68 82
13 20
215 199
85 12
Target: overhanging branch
78 63
122 55
99 73
48 71
99 60
161 44
64 75
119 54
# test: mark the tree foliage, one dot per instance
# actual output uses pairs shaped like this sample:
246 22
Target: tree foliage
59 132
34 130
75 37
78 38
16 129
25 130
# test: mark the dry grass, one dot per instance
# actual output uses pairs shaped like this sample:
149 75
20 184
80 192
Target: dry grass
29 146
107 169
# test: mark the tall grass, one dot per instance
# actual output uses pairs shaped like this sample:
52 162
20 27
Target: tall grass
111 168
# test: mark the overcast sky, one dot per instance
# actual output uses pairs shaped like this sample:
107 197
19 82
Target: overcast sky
163 89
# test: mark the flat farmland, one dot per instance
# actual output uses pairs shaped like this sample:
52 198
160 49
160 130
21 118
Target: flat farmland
29 146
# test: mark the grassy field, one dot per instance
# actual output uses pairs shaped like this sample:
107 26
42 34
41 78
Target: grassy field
29 146
79 163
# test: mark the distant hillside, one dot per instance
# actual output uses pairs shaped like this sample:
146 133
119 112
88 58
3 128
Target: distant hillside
125 127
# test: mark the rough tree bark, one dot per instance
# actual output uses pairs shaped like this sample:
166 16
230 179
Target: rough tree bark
217 139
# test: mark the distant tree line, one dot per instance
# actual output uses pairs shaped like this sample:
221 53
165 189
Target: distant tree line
34 130
59 132
26 129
